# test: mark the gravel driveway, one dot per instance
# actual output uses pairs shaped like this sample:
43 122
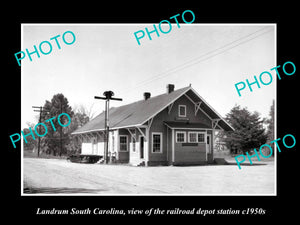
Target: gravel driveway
55 176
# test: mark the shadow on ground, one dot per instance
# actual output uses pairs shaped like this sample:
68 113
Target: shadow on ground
61 190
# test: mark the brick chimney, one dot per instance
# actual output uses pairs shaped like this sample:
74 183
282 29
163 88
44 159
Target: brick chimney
170 88
147 95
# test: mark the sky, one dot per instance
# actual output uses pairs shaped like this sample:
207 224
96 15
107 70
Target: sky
210 57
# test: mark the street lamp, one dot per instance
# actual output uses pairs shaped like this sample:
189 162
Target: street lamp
108 96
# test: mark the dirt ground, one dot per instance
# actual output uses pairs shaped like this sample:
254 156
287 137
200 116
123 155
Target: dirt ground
55 176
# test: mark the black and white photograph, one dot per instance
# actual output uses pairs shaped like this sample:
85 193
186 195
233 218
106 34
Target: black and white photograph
150 113
170 115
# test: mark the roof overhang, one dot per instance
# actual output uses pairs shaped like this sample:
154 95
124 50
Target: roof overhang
186 125
110 129
208 110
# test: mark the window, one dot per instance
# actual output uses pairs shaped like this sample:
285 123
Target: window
156 142
201 137
196 137
193 137
182 111
180 137
123 143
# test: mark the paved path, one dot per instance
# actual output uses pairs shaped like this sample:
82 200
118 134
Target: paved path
56 176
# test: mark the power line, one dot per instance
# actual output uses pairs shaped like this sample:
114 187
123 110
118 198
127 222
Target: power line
199 59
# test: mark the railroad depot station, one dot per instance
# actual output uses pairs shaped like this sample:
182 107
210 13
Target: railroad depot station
174 128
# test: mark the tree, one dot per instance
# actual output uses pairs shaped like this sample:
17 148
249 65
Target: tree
57 139
84 110
249 132
31 144
270 126
78 120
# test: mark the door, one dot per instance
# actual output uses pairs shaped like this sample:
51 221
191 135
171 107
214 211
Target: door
208 143
141 147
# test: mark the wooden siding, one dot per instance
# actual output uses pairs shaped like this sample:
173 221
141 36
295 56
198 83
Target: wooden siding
182 154
190 154
93 145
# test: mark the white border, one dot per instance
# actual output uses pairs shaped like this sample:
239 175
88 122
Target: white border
22 107
195 194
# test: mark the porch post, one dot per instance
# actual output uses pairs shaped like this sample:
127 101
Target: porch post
212 143
117 144
147 146
214 125
173 146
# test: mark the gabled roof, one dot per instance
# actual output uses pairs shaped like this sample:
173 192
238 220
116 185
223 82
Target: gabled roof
138 113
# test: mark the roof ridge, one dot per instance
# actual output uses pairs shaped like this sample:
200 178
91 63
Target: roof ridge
139 110
142 100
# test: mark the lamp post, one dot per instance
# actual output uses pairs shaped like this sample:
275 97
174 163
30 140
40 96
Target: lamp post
108 96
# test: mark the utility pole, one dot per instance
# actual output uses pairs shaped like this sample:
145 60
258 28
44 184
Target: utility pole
108 96
41 109
60 132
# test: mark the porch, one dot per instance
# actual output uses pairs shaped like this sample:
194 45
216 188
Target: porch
126 145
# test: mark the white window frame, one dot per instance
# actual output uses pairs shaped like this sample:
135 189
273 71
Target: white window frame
197 140
161 141
189 139
126 143
204 141
184 110
184 137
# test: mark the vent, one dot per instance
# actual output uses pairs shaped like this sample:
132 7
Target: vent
170 88
147 95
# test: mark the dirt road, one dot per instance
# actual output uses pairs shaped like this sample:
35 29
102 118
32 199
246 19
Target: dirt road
54 176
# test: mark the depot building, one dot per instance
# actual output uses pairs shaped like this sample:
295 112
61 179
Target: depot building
174 128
